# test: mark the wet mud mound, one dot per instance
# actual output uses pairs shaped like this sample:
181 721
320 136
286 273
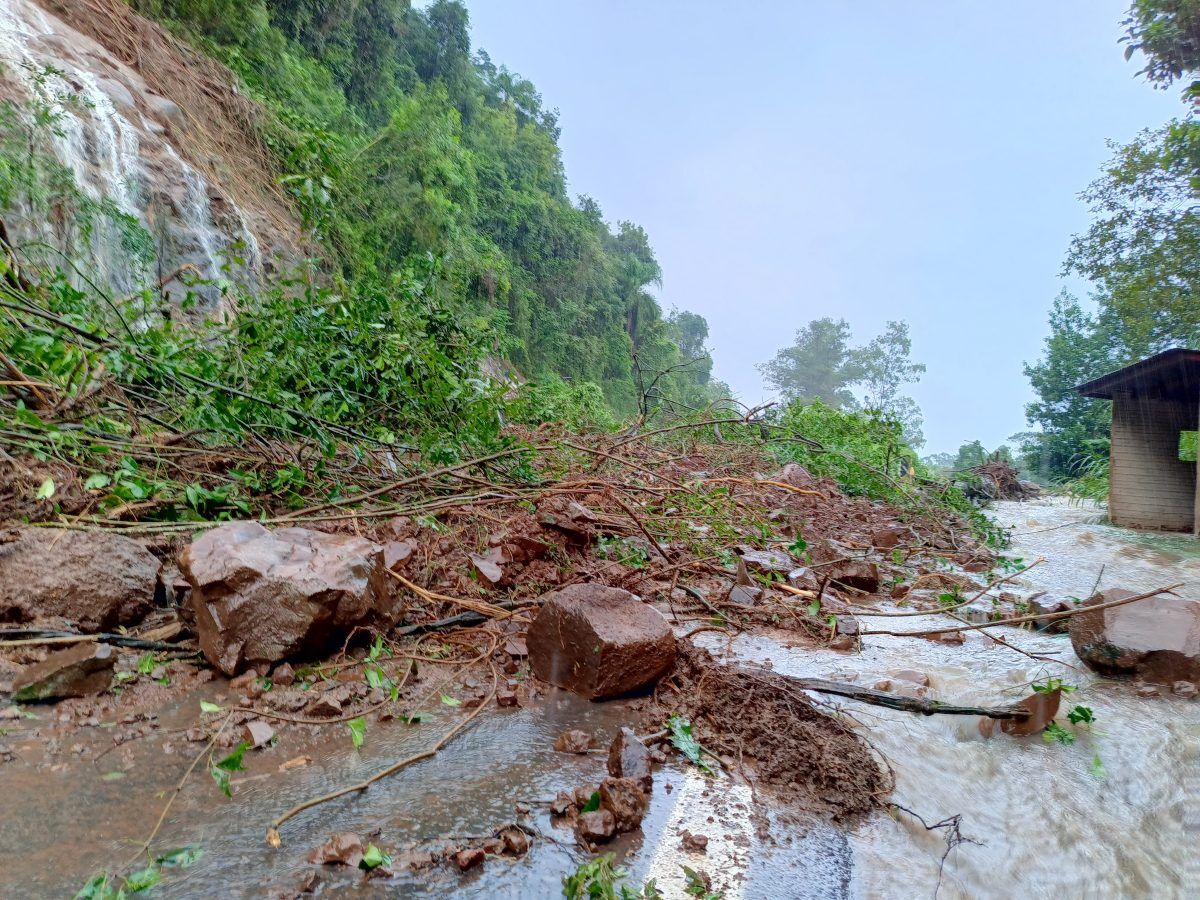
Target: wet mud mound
764 726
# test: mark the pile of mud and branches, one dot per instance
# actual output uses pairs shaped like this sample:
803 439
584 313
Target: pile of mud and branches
763 726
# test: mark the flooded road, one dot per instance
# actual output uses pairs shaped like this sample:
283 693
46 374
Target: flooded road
1116 813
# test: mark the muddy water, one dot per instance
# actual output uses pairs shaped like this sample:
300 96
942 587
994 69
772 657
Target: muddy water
58 827
1047 823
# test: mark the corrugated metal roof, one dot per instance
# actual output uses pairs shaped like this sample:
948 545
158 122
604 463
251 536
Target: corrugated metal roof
1170 375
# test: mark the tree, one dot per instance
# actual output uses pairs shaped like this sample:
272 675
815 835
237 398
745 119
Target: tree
1079 347
884 366
1168 33
1143 250
819 365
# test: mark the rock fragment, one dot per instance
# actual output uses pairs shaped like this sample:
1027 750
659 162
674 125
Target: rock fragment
629 758
599 642
75 672
596 827
1157 639
574 741
343 849
623 798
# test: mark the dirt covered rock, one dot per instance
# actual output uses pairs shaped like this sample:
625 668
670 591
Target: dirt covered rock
623 797
1157 639
628 757
599 642
76 672
96 579
262 596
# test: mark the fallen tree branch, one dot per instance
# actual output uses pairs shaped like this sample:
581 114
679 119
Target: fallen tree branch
273 838
1016 620
18 637
920 705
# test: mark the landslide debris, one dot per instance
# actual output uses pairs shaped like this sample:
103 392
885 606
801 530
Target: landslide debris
762 725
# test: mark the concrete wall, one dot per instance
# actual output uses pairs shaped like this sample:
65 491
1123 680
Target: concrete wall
1149 485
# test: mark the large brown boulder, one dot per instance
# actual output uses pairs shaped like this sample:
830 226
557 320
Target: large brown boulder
263 596
96 579
1157 639
599 641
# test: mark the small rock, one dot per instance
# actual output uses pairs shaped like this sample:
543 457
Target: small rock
847 625
396 552
296 762
469 858
343 849
1185 689
946 637
912 675
516 841
842 642
596 827
75 672
574 741
803 578
623 797
515 646
283 676
243 681
506 697
765 562
412 859
10 712
488 568
258 733
629 758
696 843
493 846
1148 690
745 594
562 804
857 574
891 536
325 706
308 884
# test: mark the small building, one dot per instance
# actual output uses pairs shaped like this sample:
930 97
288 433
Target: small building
1152 465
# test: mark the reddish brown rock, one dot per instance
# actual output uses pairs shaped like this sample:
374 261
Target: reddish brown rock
343 849
396 552
696 843
596 827
487 568
890 536
260 597
75 672
623 798
516 841
258 733
95 579
562 804
629 758
469 859
1157 639
574 741
283 676
599 642
1042 710
855 573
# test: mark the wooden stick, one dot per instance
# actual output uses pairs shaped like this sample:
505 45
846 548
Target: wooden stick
920 705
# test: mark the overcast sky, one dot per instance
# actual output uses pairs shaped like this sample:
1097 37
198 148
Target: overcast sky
870 160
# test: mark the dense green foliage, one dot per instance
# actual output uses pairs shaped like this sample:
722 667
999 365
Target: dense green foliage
820 365
1141 254
398 142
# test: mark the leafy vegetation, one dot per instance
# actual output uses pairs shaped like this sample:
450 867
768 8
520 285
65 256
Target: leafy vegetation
597 879
821 366
398 143
1141 255
681 737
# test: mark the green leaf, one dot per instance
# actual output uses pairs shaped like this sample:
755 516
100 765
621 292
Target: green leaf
358 731
181 856
206 707
143 880
814 608
46 491
451 701
112 776
100 887
1096 769
221 777
373 858
233 762
593 803
146 664
1082 714
96 481
683 741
